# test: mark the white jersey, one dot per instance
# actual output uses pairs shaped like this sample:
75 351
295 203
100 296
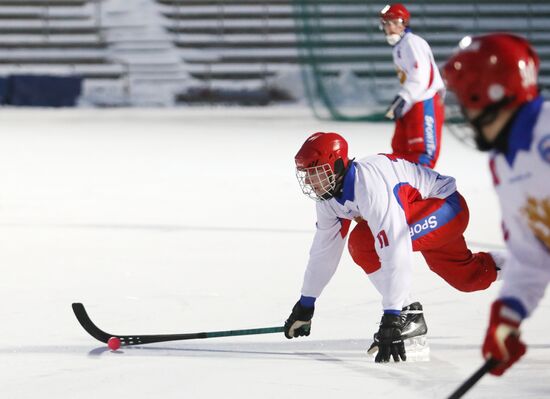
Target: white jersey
370 192
522 182
416 68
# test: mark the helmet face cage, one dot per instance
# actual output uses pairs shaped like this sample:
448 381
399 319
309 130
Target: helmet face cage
317 182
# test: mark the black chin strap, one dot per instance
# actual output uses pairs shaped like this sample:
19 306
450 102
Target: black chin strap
340 172
486 117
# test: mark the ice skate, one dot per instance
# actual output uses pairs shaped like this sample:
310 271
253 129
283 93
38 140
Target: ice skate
414 333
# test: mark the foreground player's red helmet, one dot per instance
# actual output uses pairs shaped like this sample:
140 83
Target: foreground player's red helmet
396 11
490 69
320 163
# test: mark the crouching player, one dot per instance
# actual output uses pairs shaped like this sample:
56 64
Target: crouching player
406 208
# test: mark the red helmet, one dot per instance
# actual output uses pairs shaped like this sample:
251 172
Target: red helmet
321 148
396 11
320 162
492 68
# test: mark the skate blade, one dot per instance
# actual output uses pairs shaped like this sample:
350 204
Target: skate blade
417 350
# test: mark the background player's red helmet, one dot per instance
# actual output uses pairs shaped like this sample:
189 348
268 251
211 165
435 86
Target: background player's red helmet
493 68
320 162
396 11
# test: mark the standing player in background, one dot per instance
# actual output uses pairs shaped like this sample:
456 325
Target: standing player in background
404 207
418 108
494 78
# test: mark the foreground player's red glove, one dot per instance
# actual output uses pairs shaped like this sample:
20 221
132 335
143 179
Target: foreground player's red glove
502 341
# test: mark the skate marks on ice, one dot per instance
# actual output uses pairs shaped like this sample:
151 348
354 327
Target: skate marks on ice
348 355
323 350
167 228
351 354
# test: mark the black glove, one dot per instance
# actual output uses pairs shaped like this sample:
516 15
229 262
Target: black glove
388 340
395 110
298 323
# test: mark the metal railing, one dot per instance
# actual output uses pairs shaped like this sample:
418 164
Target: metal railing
96 14
220 17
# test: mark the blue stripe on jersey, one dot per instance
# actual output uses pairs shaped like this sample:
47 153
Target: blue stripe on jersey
430 137
348 189
392 311
544 148
450 208
521 132
396 192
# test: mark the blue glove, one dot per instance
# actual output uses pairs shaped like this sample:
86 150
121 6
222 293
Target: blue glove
395 110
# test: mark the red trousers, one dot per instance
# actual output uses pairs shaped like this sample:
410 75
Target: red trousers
436 227
417 135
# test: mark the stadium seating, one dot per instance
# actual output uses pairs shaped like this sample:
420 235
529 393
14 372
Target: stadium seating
149 51
54 36
247 42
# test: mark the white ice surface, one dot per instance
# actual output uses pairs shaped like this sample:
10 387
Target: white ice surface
190 220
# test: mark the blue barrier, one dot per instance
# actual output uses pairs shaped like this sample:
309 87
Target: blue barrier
40 90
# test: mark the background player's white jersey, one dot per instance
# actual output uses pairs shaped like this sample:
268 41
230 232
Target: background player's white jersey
417 71
370 192
522 182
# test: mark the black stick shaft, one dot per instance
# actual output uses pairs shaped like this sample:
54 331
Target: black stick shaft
140 339
470 382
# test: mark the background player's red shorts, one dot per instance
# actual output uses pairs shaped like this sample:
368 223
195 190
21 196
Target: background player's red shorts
417 135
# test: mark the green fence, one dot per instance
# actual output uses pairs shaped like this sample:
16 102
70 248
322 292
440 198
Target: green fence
347 66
